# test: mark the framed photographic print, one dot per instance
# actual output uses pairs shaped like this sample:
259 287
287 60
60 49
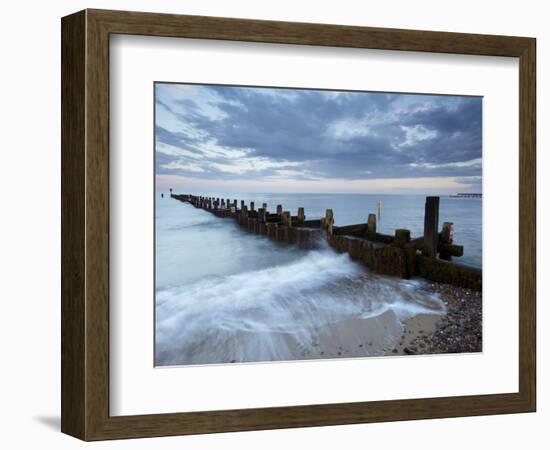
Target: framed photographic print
272 224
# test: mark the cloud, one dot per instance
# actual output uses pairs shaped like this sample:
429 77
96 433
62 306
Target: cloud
227 133
189 167
476 163
416 134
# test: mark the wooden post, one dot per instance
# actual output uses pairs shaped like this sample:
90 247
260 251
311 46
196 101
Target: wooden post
447 232
242 205
301 215
431 225
251 206
286 219
402 237
329 221
446 237
371 223
261 215
279 210
235 204
244 211
264 206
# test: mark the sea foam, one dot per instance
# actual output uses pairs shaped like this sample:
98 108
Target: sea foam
281 312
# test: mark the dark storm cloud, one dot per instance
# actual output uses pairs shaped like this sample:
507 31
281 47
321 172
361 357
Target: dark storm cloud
225 132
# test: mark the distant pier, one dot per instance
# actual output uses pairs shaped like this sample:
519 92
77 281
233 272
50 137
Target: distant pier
428 256
466 195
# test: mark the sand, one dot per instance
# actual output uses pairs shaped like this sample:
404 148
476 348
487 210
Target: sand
415 327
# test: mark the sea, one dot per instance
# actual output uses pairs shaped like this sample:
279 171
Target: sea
223 295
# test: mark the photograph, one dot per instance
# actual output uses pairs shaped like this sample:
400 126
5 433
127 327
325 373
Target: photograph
298 224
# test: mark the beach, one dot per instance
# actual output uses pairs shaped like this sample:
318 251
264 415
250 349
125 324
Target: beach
224 295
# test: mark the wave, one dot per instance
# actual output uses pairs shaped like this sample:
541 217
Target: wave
283 312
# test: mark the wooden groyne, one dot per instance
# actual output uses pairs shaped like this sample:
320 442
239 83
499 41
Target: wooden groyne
428 256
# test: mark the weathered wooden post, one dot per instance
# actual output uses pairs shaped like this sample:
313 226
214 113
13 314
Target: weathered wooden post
286 219
445 246
235 204
279 210
251 206
262 215
447 232
329 221
301 215
402 237
242 205
371 223
264 206
227 203
431 224
243 220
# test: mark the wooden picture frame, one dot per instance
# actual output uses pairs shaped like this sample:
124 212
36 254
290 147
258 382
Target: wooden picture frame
85 224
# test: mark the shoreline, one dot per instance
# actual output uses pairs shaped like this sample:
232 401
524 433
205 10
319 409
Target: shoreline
457 331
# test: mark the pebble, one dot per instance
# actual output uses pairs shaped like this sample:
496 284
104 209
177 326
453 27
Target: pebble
459 331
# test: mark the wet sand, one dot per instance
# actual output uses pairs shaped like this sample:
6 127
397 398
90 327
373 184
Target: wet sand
355 338
459 330
415 328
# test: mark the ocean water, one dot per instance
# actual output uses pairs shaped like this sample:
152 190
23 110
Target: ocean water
224 295
398 211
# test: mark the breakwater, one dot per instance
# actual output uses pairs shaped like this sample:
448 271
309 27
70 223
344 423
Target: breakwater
429 256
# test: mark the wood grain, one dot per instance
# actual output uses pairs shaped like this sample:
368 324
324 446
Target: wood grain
73 226
85 224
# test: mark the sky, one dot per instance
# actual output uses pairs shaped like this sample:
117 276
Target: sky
212 138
